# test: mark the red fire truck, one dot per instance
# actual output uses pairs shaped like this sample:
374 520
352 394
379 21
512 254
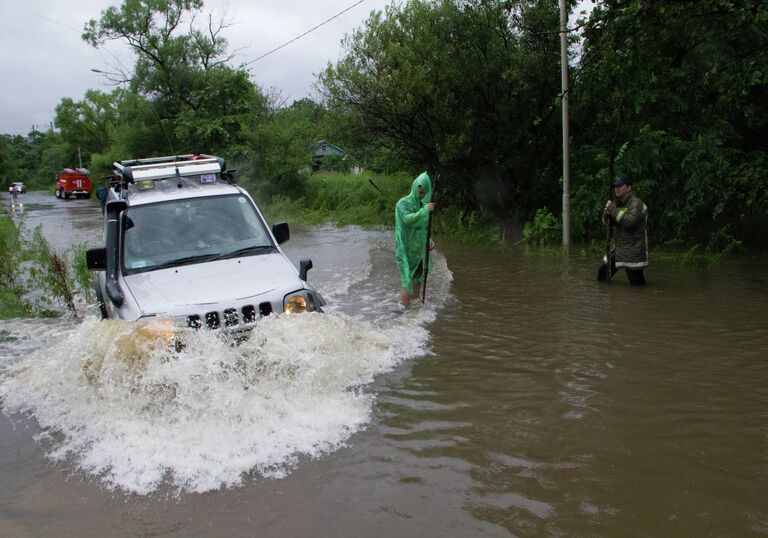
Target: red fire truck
73 182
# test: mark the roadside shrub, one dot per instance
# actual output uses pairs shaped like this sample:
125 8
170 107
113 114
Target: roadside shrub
83 276
10 250
369 199
543 230
334 163
52 272
12 303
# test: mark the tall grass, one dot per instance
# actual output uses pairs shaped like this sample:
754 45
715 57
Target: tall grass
12 303
366 199
51 272
369 200
29 267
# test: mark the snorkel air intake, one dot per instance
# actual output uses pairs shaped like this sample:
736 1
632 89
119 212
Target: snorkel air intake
114 208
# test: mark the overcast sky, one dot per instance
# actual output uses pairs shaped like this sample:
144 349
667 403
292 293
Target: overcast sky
43 58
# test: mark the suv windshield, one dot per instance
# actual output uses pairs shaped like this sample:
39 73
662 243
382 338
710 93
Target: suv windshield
193 230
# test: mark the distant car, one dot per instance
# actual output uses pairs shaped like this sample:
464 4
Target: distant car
17 186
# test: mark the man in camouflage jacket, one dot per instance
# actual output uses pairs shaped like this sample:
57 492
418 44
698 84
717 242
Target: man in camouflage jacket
629 217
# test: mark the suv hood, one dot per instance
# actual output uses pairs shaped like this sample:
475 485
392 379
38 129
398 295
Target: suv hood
224 282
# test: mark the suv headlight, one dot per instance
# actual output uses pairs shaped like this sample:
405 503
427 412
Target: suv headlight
295 303
157 329
160 330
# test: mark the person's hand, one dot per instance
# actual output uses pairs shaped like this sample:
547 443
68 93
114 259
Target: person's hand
608 206
431 206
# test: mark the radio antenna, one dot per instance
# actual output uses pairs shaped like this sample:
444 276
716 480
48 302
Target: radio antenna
167 138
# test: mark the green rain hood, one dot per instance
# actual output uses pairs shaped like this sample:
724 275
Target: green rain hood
411 217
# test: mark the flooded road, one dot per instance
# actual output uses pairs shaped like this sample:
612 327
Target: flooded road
523 400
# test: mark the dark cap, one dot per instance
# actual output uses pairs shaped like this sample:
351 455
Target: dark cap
623 180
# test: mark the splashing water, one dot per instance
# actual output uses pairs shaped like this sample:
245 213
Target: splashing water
116 401
130 409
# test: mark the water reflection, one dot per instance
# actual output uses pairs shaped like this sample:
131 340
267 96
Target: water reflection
531 400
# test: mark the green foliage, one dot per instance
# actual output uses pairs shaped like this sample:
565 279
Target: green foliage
12 302
168 63
543 230
461 88
228 106
86 126
32 159
83 277
14 256
51 272
472 227
335 163
203 104
722 243
369 200
365 199
12 305
688 80
140 131
718 251
279 156
673 94
10 250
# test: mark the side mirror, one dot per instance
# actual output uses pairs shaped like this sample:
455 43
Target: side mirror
229 176
96 259
304 266
281 232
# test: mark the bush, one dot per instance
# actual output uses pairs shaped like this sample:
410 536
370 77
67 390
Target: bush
334 163
10 250
26 266
545 229
369 199
52 272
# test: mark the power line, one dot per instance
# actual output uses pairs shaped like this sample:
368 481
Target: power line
302 35
78 31
59 23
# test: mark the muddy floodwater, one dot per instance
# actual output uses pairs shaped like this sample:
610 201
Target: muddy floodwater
523 399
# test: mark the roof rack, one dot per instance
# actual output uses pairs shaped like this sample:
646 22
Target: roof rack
176 166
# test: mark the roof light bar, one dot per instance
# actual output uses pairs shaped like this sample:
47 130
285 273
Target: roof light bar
158 168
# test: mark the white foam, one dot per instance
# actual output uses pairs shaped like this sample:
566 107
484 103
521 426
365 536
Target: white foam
132 411
125 407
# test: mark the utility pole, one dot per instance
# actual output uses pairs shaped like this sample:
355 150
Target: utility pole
566 138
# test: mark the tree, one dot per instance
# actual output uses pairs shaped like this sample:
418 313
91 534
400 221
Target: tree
230 106
690 79
466 88
209 105
87 126
280 149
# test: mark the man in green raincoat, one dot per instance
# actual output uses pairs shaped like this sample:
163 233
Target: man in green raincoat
411 217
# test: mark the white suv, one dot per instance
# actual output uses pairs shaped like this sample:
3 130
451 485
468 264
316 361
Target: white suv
184 243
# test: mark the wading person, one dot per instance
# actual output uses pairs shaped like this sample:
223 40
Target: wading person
101 194
629 217
14 190
411 217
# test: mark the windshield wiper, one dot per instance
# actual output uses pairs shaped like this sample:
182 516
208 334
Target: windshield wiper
211 257
247 250
185 261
